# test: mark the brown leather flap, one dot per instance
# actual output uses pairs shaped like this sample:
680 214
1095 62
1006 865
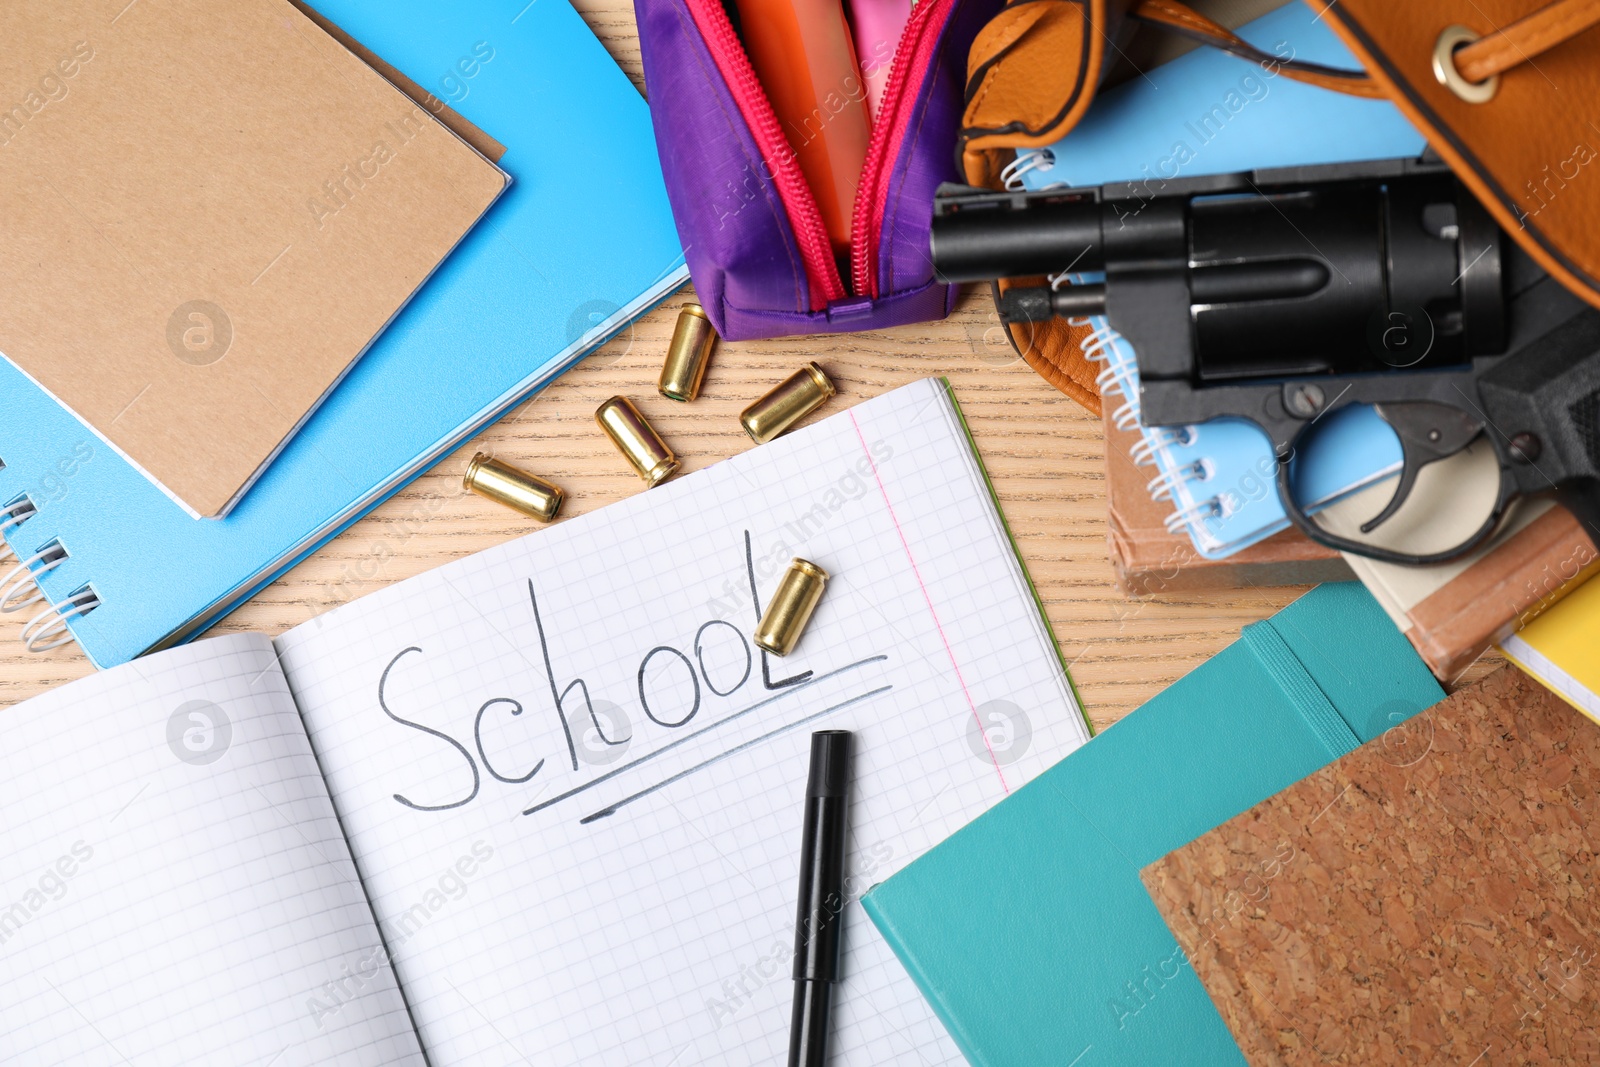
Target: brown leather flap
1032 73
1531 152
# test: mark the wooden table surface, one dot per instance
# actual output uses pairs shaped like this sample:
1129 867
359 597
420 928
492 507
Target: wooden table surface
1042 450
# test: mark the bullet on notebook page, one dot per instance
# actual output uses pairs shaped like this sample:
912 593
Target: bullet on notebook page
798 593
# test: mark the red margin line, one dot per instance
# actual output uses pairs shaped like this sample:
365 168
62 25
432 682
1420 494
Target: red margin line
924 587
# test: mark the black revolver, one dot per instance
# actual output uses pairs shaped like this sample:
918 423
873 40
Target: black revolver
1278 296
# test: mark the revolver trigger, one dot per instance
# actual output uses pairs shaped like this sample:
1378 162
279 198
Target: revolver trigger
1428 431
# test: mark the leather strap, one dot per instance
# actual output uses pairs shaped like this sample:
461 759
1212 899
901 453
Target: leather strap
1525 38
1180 18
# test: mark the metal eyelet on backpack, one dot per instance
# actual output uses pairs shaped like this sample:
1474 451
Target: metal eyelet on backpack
1444 67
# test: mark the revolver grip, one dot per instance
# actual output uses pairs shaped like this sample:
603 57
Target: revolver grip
1543 403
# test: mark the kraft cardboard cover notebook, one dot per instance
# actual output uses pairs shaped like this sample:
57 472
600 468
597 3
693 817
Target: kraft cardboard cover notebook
527 293
214 209
1427 898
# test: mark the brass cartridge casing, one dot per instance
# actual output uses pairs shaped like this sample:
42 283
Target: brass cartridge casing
638 442
797 396
513 487
688 355
791 606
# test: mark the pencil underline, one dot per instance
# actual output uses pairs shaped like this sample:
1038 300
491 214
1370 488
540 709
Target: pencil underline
575 790
641 794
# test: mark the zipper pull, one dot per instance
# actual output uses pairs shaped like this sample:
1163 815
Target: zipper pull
848 308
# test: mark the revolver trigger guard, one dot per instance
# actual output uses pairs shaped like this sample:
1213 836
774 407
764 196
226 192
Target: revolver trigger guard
1327 539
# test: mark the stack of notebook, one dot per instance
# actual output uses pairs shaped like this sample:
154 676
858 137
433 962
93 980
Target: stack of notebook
1029 931
1214 482
1196 507
204 273
566 256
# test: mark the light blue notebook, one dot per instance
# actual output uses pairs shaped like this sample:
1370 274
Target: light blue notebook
570 253
1220 476
1029 930
1208 112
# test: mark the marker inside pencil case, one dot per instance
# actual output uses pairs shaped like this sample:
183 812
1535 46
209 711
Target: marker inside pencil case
803 54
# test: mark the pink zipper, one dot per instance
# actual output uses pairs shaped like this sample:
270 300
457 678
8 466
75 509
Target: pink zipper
911 59
816 251
912 56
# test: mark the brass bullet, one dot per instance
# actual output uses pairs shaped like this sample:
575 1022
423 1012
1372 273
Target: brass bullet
791 606
513 487
638 442
797 396
688 355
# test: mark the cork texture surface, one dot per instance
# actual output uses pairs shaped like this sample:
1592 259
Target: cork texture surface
1425 899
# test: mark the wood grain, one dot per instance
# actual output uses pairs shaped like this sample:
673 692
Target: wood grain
1043 452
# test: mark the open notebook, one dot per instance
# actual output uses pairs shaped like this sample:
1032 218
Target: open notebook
541 805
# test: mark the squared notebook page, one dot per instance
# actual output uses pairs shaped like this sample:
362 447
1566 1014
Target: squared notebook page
226 206
616 884
174 887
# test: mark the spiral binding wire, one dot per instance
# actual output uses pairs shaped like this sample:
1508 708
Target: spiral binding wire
1163 485
10 518
48 630
18 578
15 515
1197 512
1160 437
1026 161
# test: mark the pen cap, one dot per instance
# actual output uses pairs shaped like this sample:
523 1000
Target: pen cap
830 764
819 914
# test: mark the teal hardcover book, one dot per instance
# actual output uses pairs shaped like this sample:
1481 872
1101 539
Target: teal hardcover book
1029 931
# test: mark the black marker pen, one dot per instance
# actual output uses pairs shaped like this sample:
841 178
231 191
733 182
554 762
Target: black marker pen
820 916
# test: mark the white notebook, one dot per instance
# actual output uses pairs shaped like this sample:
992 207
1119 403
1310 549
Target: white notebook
540 805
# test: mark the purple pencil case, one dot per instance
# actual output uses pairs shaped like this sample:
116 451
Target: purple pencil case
753 237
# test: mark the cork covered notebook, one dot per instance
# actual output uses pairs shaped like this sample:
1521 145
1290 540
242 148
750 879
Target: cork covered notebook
215 208
1425 899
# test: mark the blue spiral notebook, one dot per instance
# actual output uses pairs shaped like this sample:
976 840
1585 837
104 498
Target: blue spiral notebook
1220 476
568 255
1029 931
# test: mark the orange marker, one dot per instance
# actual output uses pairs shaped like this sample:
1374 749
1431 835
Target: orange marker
803 54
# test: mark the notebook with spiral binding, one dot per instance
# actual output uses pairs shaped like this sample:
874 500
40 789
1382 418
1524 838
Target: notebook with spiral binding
244 212
1219 476
108 559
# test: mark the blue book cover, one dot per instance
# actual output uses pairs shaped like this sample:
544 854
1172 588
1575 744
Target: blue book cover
1029 931
1208 112
579 244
